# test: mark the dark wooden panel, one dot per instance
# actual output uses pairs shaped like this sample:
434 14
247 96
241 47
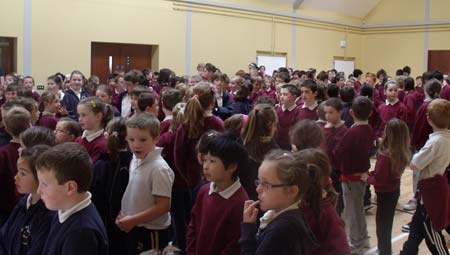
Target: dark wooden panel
7 52
439 60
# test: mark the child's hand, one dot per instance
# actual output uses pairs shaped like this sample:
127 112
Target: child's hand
364 177
250 211
413 167
125 223
63 111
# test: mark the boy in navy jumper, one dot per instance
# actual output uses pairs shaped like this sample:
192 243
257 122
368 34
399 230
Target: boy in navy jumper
217 213
353 155
433 207
28 225
65 174
144 212
288 115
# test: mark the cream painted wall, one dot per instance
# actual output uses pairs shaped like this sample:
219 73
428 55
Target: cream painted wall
62 34
11 25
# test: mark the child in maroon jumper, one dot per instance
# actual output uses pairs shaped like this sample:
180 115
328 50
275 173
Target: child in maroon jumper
48 106
16 120
217 212
93 117
288 115
169 98
309 91
326 225
198 120
445 92
353 154
411 102
306 134
394 154
392 108
334 131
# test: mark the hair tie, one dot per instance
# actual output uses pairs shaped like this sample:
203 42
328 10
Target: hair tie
93 104
195 97
115 134
256 110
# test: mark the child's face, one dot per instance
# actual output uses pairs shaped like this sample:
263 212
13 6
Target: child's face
272 198
307 95
286 98
103 96
121 84
10 95
134 102
234 86
76 82
140 142
28 83
88 119
53 106
332 115
51 85
25 182
257 86
391 92
61 134
217 84
214 169
112 84
53 194
9 80
34 114
418 82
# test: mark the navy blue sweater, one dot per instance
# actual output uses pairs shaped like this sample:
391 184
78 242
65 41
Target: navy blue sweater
70 101
25 231
82 233
287 234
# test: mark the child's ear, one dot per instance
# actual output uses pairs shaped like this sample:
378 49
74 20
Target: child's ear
294 190
232 167
351 113
72 187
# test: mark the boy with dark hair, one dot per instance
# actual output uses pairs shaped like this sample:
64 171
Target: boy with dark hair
16 120
132 79
334 130
147 102
215 218
169 98
309 92
357 73
432 214
65 175
144 213
347 94
288 115
353 157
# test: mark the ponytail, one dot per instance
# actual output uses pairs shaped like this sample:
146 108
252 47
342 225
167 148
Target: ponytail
313 195
117 132
202 99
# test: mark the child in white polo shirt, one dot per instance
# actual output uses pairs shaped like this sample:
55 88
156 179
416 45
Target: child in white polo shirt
146 202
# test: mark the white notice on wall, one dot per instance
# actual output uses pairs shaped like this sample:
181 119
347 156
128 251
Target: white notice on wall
346 66
271 62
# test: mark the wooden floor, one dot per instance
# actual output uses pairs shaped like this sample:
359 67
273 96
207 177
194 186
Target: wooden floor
401 218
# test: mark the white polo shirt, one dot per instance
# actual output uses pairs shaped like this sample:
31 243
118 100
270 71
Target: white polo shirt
149 177
434 156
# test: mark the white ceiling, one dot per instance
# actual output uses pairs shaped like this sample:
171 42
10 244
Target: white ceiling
353 8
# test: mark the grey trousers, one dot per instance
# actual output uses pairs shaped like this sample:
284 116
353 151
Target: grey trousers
354 215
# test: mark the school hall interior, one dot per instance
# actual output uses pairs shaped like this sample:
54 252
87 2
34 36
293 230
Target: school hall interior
98 37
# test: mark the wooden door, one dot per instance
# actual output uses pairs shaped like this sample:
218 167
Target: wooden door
7 52
439 60
107 58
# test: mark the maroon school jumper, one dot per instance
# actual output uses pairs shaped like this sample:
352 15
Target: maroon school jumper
48 121
421 129
167 142
388 112
94 147
8 169
401 95
353 152
445 92
286 119
306 113
215 223
383 178
410 102
164 126
185 150
332 137
357 86
328 229
435 193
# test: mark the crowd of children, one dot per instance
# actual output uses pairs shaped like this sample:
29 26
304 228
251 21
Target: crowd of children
252 164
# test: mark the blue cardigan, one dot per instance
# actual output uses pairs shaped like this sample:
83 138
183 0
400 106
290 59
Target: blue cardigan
36 220
287 234
82 233
70 101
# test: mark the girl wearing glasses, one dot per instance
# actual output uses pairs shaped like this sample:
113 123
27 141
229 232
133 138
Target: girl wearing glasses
285 181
